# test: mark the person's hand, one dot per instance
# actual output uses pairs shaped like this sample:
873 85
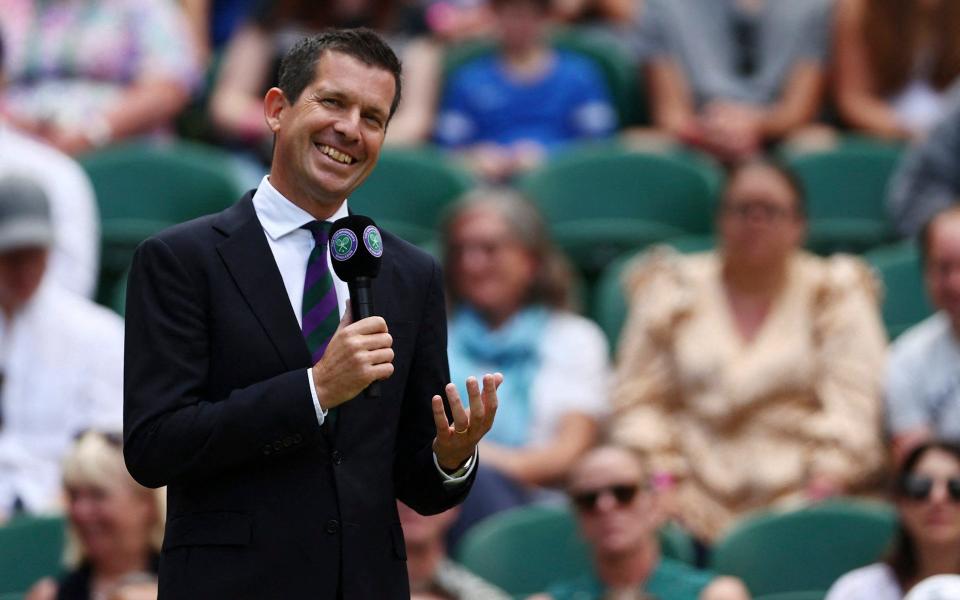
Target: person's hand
733 131
357 355
456 443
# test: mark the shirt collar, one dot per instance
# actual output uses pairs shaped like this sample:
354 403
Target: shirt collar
279 216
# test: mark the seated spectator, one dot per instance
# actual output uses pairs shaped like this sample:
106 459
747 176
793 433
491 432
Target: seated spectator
927 496
928 178
923 376
115 527
510 290
894 61
74 256
433 575
751 375
61 366
83 74
618 514
729 76
504 113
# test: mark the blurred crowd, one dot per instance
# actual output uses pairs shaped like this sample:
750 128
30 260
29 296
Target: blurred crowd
752 374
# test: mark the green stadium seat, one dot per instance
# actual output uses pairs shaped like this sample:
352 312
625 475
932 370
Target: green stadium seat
408 191
846 195
144 187
809 549
905 301
30 548
603 201
609 305
544 540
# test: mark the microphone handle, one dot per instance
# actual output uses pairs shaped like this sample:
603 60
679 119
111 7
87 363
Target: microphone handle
361 305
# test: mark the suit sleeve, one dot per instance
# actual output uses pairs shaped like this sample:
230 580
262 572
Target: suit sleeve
419 483
173 428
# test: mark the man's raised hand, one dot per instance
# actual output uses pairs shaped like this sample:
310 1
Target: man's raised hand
457 442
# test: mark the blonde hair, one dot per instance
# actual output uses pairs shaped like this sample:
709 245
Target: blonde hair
96 459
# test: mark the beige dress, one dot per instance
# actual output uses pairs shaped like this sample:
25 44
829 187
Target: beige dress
741 425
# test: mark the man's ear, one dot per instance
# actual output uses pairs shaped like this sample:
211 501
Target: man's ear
274 103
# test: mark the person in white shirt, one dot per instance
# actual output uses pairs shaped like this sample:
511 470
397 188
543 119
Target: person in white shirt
61 357
923 376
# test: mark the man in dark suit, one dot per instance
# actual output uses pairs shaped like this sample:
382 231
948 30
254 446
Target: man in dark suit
242 390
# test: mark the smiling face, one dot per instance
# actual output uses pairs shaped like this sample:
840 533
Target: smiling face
933 518
491 268
329 139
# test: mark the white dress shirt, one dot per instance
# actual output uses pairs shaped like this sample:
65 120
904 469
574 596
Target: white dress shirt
291 245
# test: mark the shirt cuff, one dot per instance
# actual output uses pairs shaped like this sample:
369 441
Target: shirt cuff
461 474
321 414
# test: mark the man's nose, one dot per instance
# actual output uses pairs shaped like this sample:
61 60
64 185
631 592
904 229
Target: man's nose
348 125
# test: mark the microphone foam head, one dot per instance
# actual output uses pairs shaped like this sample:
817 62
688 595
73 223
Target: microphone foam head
356 247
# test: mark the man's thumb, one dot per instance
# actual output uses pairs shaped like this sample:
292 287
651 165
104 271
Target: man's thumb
347 318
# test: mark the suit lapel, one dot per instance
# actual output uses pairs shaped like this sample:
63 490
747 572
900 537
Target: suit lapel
248 258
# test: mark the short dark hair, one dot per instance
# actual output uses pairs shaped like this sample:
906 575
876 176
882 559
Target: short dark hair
926 232
299 65
786 174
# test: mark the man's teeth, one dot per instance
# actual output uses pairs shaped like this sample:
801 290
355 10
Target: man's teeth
335 154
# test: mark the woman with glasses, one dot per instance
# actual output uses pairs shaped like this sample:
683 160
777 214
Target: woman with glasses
115 527
751 375
510 292
927 497
618 514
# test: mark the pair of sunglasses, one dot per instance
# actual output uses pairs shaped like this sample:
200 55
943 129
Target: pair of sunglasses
919 487
586 500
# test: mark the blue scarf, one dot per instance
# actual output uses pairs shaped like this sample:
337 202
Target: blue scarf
513 349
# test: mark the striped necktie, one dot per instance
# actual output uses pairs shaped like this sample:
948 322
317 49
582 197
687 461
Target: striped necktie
320 308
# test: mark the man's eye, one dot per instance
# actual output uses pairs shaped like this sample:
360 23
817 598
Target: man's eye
330 102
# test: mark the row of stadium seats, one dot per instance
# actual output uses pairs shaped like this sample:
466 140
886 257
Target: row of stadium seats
792 555
601 202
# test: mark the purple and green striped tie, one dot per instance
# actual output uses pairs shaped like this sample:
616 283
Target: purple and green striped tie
320 308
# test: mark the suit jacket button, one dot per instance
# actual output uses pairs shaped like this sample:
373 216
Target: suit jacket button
278 445
287 442
297 438
333 526
267 450
337 457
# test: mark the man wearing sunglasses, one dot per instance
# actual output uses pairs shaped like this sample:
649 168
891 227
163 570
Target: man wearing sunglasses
618 514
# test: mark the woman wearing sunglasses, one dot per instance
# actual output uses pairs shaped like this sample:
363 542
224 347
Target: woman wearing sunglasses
618 514
927 496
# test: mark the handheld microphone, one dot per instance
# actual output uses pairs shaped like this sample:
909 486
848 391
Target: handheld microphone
355 251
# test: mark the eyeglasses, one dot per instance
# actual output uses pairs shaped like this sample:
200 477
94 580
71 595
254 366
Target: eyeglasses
918 487
746 210
586 500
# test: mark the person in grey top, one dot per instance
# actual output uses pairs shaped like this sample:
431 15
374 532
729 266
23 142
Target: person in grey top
928 178
923 375
731 75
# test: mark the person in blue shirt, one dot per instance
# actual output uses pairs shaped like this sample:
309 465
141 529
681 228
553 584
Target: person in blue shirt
505 112
618 514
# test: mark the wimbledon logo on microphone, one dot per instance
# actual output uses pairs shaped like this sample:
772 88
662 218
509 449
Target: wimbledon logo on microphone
344 244
371 239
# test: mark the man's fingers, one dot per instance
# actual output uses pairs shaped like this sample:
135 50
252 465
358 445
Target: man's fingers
460 419
476 402
370 325
440 418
